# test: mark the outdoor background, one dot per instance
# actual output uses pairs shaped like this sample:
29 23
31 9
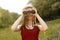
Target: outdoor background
49 10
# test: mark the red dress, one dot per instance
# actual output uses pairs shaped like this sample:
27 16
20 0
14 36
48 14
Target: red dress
29 34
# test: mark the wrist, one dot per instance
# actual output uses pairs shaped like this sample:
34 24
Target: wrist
37 15
21 15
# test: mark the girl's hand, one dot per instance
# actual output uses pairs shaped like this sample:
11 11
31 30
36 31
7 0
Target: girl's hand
36 14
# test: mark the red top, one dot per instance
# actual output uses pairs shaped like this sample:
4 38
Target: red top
30 34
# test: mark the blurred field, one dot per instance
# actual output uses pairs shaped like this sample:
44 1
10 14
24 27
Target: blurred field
7 34
53 33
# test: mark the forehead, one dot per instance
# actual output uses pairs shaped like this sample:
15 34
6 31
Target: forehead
28 8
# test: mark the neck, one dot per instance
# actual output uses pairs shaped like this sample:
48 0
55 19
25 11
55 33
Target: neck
29 23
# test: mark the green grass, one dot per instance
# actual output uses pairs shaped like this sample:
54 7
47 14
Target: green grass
53 32
7 34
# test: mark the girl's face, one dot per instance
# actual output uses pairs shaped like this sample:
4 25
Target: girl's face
30 16
29 13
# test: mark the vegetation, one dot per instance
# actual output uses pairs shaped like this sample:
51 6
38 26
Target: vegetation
7 18
47 9
53 33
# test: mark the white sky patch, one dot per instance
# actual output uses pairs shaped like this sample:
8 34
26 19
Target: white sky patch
13 5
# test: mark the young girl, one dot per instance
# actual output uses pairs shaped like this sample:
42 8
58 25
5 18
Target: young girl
29 29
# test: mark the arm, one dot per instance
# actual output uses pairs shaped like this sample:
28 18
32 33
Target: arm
16 26
43 26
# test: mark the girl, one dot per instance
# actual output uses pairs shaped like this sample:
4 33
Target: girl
29 29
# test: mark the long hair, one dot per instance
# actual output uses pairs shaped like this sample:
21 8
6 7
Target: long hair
26 15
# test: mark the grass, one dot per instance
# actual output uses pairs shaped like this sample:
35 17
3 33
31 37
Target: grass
7 34
53 32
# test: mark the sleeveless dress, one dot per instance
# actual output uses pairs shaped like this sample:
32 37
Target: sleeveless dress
29 34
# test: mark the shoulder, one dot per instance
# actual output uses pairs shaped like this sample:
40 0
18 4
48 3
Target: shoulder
19 27
38 26
42 28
